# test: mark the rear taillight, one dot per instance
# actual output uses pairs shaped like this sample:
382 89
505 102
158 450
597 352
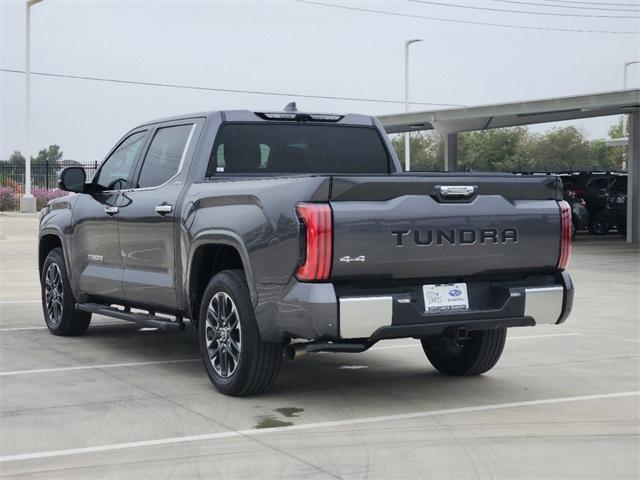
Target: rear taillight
316 219
566 228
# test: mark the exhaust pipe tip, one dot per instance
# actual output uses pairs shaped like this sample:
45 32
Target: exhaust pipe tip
293 350
289 353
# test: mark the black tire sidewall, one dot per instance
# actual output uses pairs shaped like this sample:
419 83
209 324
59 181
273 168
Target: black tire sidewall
68 302
234 285
478 355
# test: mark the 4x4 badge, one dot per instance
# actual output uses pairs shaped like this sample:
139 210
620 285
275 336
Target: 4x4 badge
348 259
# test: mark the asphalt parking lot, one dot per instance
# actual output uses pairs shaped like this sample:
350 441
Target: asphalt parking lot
125 402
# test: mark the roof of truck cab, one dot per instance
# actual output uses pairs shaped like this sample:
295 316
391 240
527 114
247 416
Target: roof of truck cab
249 116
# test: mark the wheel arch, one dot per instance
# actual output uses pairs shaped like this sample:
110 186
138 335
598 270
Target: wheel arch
49 240
211 253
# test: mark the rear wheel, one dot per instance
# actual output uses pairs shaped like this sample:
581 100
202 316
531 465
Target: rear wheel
473 356
58 304
237 361
598 224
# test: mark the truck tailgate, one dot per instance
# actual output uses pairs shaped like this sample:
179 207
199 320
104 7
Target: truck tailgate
405 226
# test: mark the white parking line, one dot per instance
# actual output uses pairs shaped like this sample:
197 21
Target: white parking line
17 329
9 302
88 367
527 337
309 426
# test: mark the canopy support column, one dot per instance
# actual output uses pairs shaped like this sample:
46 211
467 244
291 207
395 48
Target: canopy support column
633 182
451 152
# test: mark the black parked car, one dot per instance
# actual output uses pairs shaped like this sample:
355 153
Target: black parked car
593 188
615 213
579 211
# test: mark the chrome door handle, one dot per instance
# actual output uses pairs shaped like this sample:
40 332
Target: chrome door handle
164 209
111 210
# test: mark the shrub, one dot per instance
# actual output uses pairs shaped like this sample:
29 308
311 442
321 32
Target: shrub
43 196
7 199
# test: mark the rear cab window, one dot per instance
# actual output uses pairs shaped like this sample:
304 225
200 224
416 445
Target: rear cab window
278 148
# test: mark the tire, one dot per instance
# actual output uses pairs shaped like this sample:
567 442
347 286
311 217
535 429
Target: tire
237 361
58 303
473 356
598 224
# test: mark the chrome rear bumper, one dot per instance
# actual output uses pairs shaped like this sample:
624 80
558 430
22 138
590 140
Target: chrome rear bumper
398 315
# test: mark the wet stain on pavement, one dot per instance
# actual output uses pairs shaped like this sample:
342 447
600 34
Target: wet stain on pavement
270 421
289 412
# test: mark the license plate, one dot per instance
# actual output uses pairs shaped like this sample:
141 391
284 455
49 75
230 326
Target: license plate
445 297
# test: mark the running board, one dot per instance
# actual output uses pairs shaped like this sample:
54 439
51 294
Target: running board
146 319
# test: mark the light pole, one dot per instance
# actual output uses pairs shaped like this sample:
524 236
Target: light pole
407 147
27 202
624 85
626 66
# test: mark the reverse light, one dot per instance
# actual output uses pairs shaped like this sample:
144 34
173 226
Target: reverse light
565 235
316 219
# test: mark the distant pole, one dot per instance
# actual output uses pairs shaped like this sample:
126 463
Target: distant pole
626 67
625 85
407 146
28 202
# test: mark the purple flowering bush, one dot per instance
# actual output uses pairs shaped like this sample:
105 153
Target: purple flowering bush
43 196
8 199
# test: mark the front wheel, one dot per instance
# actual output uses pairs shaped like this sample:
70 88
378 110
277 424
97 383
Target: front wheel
58 304
473 356
237 361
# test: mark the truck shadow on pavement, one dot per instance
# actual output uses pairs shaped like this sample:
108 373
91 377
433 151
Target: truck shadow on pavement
402 371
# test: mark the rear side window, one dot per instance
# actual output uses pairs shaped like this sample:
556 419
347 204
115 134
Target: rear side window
164 155
297 148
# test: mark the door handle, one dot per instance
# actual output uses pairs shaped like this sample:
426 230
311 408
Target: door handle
111 210
164 208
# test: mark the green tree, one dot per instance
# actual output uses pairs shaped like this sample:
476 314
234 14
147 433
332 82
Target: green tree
52 155
16 158
563 149
427 151
492 150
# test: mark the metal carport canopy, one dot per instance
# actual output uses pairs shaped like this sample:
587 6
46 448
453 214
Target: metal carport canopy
451 121
484 117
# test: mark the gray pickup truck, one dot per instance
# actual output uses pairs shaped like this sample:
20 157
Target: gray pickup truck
278 233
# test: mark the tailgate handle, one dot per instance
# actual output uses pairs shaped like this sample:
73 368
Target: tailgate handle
456 191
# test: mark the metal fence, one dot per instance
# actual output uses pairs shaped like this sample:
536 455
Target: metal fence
44 181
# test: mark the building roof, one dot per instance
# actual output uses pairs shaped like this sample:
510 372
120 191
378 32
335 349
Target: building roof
513 114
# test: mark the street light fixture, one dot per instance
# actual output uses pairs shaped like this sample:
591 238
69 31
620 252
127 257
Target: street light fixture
626 66
27 201
407 147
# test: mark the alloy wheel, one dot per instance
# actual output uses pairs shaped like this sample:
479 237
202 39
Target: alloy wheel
53 294
223 334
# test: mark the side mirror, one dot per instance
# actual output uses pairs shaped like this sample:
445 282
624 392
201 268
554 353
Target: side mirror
72 179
